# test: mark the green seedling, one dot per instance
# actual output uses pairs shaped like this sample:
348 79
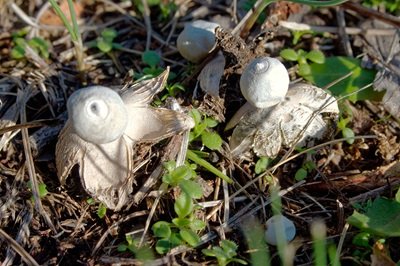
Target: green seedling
183 228
203 131
305 169
393 6
298 34
42 190
152 59
143 253
302 58
262 164
105 42
101 209
346 116
37 44
225 253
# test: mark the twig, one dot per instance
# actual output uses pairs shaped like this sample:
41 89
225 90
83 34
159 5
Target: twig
114 225
147 21
349 30
367 12
342 32
31 169
25 256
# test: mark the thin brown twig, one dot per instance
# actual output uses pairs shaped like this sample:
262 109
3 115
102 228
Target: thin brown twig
367 12
31 169
25 256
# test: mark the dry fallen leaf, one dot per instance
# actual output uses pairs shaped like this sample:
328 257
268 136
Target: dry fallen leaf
210 76
106 169
267 130
383 53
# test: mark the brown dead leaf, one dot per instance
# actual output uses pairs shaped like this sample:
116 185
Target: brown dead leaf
380 256
51 18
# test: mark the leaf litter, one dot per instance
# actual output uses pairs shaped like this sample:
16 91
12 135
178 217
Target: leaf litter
339 166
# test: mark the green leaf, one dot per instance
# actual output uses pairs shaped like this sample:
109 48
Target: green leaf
183 205
43 190
180 173
109 34
210 122
163 246
262 164
397 197
104 45
301 174
304 69
181 222
381 218
323 74
101 210
152 58
362 239
18 52
197 225
41 45
122 248
193 189
316 56
190 237
289 54
211 140
348 133
229 247
161 229
195 115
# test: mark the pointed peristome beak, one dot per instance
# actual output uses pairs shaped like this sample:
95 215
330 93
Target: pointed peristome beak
141 94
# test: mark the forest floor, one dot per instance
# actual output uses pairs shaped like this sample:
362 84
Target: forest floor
62 224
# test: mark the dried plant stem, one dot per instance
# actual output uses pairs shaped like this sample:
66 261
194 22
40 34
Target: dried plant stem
31 171
73 30
25 256
250 18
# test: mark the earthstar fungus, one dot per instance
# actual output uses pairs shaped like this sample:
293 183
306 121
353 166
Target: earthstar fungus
101 131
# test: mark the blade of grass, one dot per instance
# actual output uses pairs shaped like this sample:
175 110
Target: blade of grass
193 157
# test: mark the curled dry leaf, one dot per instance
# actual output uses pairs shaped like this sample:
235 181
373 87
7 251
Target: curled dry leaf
210 76
383 53
106 168
267 130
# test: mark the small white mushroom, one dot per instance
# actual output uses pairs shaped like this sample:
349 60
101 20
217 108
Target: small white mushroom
101 131
272 229
293 121
197 40
97 114
263 83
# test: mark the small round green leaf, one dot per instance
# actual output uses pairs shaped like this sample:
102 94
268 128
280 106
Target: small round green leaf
163 246
304 69
289 54
211 140
103 45
183 205
301 174
190 237
151 58
109 34
348 133
191 188
316 56
161 229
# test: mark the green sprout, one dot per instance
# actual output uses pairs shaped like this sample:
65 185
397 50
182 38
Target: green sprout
183 228
225 253
302 57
